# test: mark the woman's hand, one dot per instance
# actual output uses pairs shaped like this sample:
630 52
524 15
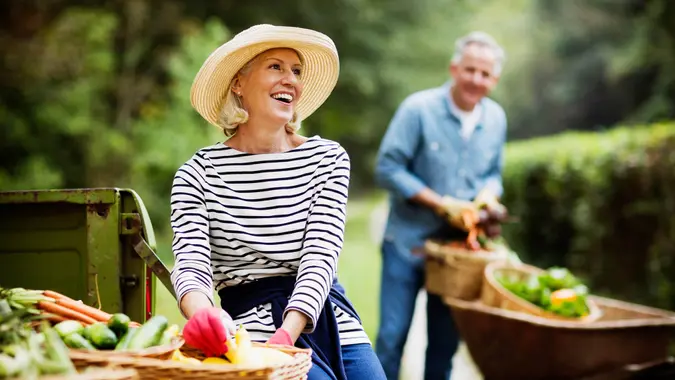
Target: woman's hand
290 330
208 327
281 336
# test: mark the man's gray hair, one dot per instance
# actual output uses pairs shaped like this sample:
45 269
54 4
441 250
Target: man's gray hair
481 39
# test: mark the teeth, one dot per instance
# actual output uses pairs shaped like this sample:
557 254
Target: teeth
287 97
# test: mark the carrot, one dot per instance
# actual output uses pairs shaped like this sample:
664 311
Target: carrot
54 295
87 310
55 318
134 324
65 312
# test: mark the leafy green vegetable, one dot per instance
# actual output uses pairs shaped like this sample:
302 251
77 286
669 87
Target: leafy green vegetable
556 290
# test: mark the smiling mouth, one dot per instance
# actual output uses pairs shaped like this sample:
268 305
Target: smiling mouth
283 97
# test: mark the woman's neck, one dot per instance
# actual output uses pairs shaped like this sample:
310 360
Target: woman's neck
258 139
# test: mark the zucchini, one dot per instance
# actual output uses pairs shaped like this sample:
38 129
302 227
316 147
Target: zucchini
102 336
119 324
66 328
124 342
150 333
77 341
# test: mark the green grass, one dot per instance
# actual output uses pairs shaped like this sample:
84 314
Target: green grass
358 271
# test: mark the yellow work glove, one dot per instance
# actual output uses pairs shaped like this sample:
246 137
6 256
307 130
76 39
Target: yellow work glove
459 213
487 199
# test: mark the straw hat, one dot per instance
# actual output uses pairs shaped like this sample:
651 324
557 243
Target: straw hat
317 52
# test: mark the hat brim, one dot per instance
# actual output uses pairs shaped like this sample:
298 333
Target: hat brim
319 73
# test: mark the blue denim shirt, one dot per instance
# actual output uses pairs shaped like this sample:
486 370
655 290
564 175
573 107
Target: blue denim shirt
423 148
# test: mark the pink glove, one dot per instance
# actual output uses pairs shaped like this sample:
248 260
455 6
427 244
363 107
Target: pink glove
207 330
281 336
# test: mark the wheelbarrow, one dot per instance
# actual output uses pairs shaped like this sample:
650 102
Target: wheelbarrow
507 344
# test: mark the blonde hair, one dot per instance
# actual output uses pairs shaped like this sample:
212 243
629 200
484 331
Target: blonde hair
232 113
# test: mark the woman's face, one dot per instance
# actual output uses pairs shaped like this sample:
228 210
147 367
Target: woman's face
271 87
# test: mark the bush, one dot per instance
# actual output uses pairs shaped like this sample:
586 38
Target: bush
602 204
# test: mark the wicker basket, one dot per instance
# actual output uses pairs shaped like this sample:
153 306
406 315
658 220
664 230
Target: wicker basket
84 358
151 368
496 295
99 374
457 272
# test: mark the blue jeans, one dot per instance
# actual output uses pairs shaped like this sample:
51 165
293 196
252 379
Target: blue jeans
360 363
402 278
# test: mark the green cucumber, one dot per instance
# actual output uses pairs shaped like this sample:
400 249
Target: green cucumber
102 336
119 324
149 334
77 341
124 342
86 333
66 328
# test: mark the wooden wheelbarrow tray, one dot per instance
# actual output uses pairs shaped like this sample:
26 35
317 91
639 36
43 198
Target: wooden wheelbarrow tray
514 345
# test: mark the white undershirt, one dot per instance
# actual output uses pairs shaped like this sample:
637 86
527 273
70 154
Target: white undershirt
468 119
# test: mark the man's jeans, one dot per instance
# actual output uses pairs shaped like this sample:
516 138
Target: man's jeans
402 278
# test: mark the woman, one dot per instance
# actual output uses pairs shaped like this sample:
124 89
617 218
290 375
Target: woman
260 217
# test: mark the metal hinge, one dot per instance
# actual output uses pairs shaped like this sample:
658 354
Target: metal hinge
130 225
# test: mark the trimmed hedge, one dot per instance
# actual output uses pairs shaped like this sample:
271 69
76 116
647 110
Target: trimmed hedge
601 204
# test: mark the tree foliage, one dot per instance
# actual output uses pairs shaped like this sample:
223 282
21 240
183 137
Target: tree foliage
95 93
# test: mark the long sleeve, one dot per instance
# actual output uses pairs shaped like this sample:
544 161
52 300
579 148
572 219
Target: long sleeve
397 149
189 221
322 243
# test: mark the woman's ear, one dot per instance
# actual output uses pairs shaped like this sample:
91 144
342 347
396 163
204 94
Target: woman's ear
236 86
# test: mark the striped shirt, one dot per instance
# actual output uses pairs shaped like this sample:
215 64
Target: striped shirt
238 217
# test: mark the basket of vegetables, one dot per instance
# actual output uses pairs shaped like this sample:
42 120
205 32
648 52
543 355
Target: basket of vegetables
98 342
455 270
244 360
90 333
31 349
554 293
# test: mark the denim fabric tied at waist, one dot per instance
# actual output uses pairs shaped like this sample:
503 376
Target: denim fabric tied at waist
324 341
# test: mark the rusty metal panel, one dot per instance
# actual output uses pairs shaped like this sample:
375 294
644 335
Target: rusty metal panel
43 247
82 243
103 256
77 196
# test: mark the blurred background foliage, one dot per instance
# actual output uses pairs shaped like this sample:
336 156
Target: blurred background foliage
96 93
601 204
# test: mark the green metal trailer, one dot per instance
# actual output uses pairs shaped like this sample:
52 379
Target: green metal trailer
96 245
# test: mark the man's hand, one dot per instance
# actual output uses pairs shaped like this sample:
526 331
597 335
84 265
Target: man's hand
486 199
459 213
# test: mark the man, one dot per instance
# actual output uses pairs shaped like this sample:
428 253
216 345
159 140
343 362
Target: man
441 156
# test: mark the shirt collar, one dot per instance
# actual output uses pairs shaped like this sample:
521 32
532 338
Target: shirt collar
449 105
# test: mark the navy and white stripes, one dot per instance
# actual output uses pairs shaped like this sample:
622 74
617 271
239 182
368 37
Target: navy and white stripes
238 217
